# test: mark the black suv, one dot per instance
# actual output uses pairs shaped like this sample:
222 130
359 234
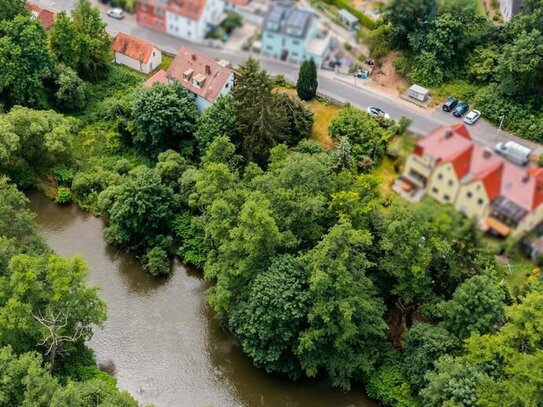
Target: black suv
450 104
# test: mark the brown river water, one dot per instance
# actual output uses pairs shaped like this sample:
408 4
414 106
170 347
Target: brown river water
161 340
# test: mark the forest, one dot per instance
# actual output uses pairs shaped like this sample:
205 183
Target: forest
313 268
454 48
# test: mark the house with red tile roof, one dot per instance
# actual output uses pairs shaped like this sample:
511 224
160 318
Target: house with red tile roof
135 53
449 167
190 20
45 17
201 76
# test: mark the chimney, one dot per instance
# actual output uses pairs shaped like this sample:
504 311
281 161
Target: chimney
193 57
525 179
487 154
208 70
448 133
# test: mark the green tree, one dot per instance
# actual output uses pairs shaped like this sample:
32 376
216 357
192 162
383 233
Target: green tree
44 300
91 393
365 135
139 211
27 64
520 65
63 40
427 70
482 63
298 117
269 321
93 43
23 382
246 245
424 344
164 117
170 167
345 320
259 116
389 385
408 16
232 21
217 120
477 305
33 142
453 383
72 93
11 8
306 85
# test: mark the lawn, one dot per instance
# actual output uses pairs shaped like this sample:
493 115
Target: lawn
386 171
323 112
515 270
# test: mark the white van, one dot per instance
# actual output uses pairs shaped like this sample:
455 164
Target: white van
514 152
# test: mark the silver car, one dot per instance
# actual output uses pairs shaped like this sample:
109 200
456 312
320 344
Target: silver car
116 13
376 112
472 117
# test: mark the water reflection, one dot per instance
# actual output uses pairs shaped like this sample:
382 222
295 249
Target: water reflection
161 339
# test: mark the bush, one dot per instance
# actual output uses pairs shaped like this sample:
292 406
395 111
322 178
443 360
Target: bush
362 18
156 261
401 65
63 195
63 174
390 386
231 22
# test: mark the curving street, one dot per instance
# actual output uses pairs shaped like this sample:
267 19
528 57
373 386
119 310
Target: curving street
423 120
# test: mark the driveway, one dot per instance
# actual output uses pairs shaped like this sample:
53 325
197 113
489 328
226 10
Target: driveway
423 120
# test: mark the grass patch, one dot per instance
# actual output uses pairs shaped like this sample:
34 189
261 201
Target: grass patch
515 270
166 62
390 168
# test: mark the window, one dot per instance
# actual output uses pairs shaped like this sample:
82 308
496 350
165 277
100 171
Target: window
446 197
269 47
480 202
450 183
269 35
478 187
434 190
296 42
154 54
439 176
294 54
189 33
469 194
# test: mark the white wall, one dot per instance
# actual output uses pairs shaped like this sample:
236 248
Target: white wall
136 65
191 30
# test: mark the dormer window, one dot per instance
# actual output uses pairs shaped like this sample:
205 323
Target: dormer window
187 75
198 80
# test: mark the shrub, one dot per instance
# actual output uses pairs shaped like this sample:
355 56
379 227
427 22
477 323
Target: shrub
156 261
63 174
401 65
389 385
63 195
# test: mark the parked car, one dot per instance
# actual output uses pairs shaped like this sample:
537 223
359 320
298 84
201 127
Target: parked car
450 104
472 117
116 13
376 112
460 109
514 152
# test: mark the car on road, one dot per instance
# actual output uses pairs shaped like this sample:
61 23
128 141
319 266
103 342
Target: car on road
514 152
450 104
460 109
472 117
376 112
116 13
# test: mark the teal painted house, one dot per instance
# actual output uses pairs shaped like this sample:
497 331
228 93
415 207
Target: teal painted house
292 35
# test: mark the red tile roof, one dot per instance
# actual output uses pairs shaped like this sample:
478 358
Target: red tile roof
214 76
191 9
46 17
159 77
444 143
133 47
238 2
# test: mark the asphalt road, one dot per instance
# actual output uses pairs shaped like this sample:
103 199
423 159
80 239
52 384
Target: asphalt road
423 120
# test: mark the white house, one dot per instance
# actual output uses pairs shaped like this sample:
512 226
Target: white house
202 76
137 54
187 19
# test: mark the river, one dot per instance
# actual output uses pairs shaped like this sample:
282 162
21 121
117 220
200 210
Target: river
161 340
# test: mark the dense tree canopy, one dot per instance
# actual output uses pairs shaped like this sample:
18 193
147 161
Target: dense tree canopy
164 117
306 85
27 64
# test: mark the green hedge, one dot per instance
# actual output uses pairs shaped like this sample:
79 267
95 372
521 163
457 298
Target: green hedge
363 18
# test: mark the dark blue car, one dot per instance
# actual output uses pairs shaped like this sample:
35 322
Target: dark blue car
461 109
